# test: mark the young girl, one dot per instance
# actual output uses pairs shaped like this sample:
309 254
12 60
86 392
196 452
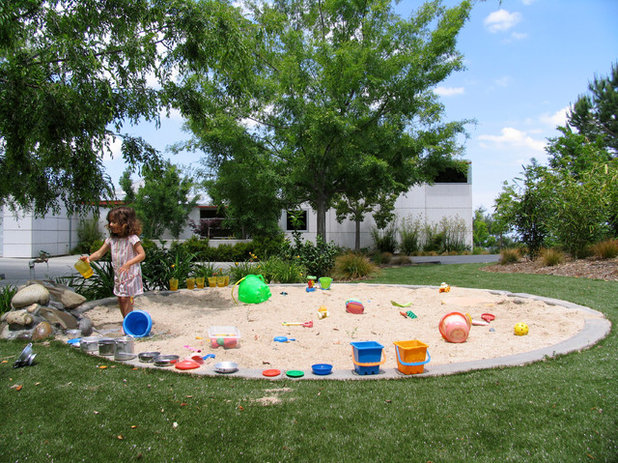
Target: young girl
127 253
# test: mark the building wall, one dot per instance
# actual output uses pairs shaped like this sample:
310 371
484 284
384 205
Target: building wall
24 235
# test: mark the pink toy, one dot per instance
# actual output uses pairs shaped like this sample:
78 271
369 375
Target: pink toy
455 327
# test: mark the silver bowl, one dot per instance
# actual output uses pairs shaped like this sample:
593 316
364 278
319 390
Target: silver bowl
148 357
166 360
226 367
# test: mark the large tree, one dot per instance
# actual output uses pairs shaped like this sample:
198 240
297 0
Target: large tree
72 73
340 91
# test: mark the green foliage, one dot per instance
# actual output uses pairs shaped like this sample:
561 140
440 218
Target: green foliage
318 259
453 229
385 240
163 203
6 295
281 270
353 266
509 256
551 257
334 115
88 236
99 286
265 246
200 247
161 264
410 236
607 249
204 269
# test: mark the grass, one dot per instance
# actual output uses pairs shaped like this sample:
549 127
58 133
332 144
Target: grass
560 410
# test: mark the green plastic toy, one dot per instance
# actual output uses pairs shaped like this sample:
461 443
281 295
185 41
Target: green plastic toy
252 289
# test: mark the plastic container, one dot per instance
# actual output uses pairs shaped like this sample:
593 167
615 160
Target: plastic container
325 282
253 290
411 356
84 268
137 324
322 369
455 327
227 337
367 357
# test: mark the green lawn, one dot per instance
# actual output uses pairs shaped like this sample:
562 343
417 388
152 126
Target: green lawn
558 410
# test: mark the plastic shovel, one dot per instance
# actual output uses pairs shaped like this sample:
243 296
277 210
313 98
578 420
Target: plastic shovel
308 324
283 339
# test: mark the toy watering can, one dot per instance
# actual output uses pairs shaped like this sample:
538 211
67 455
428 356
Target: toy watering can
252 289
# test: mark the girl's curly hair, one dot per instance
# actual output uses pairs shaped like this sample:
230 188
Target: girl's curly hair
126 217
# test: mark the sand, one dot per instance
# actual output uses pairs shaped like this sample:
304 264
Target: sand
181 321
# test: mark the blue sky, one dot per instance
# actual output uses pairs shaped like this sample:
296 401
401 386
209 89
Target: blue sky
526 62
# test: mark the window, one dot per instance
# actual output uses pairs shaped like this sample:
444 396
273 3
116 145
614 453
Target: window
296 220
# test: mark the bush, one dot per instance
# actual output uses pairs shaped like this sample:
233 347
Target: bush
318 259
100 285
385 240
607 249
197 246
267 246
509 256
551 257
282 271
400 260
352 266
410 235
88 235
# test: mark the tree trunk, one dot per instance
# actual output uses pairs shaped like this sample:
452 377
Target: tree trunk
321 219
357 237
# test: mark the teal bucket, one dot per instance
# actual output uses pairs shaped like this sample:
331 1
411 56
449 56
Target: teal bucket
368 356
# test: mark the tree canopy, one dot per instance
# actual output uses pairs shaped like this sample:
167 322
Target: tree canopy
340 100
72 74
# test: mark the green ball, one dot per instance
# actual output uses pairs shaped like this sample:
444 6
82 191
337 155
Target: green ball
220 341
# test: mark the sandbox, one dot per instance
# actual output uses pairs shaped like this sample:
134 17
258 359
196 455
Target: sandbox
181 322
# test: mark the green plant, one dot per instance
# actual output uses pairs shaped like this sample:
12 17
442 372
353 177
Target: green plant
607 249
266 246
353 266
318 259
410 236
551 257
6 295
453 229
88 236
282 271
100 285
161 264
509 256
241 269
385 240
204 269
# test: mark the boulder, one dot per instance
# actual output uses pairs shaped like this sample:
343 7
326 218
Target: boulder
58 317
42 331
68 298
35 293
85 325
33 308
18 317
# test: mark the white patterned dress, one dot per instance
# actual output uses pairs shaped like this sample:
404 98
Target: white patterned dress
128 284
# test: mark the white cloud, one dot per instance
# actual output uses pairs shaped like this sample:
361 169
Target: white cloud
115 149
556 119
449 91
501 21
513 138
503 81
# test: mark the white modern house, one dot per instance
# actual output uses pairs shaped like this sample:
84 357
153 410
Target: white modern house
23 235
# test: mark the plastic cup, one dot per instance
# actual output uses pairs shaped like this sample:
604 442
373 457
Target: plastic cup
190 283
84 268
173 284
223 280
199 282
212 281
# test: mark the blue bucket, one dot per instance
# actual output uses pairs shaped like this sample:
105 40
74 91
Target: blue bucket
368 357
137 324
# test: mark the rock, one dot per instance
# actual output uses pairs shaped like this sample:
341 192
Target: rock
18 317
35 293
24 336
85 325
33 308
68 298
42 331
55 316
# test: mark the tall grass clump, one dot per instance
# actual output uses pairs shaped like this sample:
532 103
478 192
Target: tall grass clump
6 295
352 266
607 249
509 256
88 237
280 270
551 257
410 233
385 240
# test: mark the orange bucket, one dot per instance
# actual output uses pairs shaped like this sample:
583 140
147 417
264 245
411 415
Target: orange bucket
455 327
411 356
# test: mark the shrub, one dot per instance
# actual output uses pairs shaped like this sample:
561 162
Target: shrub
6 295
267 246
282 271
454 232
87 234
410 235
385 240
197 246
318 259
509 256
607 249
352 266
382 258
100 285
551 257
400 260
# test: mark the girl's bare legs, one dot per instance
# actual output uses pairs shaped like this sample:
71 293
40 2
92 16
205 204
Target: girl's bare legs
126 305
